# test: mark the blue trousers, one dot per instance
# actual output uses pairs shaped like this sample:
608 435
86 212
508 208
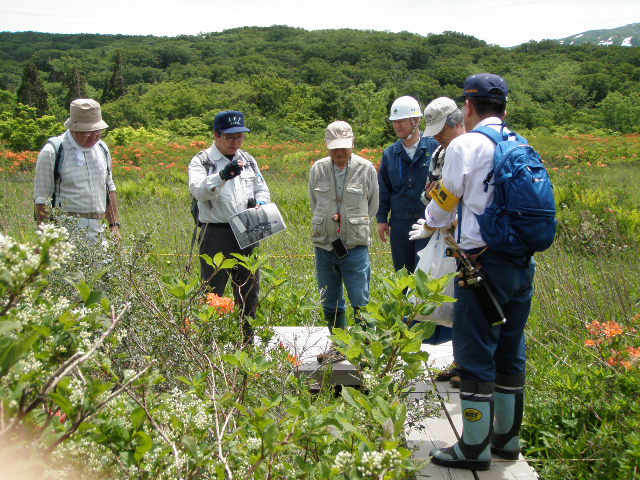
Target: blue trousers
404 252
479 349
353 270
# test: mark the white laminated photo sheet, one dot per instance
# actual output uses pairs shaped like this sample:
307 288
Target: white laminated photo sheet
255 224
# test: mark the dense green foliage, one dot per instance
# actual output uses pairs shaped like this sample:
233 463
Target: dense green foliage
292 82
584 358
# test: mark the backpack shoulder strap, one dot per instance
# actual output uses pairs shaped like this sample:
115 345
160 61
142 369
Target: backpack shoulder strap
56 143
106 153
250 160
491 133
206 162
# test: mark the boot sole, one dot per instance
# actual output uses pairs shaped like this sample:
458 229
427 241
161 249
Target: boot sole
506 454
466 464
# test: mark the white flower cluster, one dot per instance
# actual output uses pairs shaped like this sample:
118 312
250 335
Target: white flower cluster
20 261
342 461
369 380
253 443
374 463
76 390
62 249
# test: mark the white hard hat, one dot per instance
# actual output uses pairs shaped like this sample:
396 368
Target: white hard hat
405 107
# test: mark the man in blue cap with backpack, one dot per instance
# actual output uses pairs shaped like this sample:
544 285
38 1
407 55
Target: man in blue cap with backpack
489 351
226 180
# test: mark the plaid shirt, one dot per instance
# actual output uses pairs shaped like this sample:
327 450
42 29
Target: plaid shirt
83 184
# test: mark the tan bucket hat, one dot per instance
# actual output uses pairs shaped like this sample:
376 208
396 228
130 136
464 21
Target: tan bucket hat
86 116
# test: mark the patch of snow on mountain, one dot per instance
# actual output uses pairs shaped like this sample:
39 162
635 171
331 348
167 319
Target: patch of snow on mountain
626 42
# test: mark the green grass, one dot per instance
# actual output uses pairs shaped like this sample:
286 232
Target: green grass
581 412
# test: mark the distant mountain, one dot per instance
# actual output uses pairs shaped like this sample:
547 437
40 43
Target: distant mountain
627 36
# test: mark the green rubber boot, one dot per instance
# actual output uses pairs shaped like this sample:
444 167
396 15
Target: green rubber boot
509 407
335 318
472 452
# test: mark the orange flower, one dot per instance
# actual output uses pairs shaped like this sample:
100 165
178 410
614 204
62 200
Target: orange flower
611 329
222 305
594 328
186 325
589 343
293 359
634 352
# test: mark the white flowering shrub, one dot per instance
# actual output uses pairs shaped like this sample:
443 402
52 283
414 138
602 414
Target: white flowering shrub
153 382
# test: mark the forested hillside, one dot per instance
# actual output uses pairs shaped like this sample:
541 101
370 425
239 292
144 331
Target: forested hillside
627 36
292 82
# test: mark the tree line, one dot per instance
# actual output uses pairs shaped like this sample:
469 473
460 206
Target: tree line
291 82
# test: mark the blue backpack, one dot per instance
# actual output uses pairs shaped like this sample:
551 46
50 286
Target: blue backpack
521 219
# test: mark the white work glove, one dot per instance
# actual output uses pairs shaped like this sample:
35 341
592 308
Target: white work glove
419 231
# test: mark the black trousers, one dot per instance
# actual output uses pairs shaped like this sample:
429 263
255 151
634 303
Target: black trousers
218 237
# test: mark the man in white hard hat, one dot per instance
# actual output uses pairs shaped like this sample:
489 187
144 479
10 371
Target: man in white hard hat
404 171
73 173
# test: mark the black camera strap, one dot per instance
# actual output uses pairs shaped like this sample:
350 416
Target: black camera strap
339 198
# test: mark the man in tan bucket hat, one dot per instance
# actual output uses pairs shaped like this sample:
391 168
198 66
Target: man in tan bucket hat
343 190
73 173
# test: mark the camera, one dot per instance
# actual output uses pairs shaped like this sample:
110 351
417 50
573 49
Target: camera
339 247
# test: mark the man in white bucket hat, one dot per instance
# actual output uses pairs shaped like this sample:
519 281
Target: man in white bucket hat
73 173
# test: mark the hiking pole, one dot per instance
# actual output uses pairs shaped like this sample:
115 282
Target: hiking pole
473 276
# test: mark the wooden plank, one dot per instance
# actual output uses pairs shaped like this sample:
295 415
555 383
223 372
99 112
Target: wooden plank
307 342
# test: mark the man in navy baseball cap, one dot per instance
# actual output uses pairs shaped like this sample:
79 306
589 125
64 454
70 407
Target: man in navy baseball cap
487 86
229 121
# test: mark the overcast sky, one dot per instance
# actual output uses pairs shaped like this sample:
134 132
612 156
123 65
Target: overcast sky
501 22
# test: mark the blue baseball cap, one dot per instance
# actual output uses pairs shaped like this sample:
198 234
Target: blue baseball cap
229 121
486 85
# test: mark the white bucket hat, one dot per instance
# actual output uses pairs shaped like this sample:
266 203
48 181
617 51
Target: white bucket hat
86 116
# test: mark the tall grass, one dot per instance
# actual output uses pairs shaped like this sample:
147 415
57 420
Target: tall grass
582 412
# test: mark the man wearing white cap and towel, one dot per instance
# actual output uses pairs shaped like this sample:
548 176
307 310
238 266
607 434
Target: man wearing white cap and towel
73 173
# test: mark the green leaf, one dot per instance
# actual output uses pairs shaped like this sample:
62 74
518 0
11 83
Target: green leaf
355 398
138 416
84 290
145 443
13 350
63 402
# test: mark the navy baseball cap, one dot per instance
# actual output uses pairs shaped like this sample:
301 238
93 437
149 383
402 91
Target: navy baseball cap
486 85
229 121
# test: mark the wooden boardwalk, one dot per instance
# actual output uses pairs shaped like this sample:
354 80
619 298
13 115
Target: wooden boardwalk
307 342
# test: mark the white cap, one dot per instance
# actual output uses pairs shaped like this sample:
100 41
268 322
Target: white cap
435 115
339 135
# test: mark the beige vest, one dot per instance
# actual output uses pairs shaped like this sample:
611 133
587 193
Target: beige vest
355 209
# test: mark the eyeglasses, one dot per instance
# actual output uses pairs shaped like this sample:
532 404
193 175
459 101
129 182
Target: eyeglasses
91 133
233 138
